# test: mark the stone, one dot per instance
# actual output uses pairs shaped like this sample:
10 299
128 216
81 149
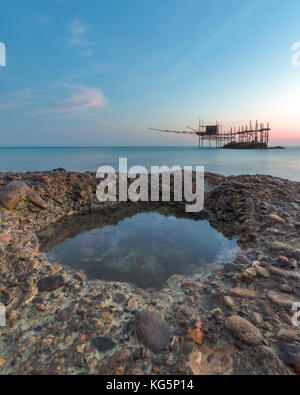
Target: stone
283 261
218 314
243 330
281 299
257 319
52 283
13 193
243 293
195 334
262 272
249 273
278 246
243 259
152 331
119 298
103 344
2 362
229 302
35 199
296 254
289 335
277 219
294 275
119 358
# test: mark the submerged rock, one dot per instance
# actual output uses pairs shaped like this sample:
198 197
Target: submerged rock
103 344
152 331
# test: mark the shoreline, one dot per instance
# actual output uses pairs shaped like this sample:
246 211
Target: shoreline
229 322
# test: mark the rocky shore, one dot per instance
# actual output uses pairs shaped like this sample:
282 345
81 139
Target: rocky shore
236 320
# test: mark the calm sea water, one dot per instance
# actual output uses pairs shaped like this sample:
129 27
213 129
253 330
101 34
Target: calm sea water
280 163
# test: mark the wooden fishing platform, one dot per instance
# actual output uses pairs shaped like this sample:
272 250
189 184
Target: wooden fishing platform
243 137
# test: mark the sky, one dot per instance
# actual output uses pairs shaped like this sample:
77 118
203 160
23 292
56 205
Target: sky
100 72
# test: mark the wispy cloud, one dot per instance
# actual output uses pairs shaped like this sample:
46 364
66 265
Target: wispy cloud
77 37
16 99
82 98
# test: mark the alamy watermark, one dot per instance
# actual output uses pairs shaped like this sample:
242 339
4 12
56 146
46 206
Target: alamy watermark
2 55
188 186
296 316
296 56
2 315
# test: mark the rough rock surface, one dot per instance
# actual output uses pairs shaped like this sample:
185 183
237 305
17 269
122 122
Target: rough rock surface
243 330
58 322
152 331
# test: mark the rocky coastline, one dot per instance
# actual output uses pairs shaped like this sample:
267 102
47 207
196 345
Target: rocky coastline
236 320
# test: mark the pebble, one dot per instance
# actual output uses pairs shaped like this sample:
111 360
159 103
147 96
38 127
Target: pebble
243 330
243 293
276 218
37 200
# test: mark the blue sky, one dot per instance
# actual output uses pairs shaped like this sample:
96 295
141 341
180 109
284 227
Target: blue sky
100 72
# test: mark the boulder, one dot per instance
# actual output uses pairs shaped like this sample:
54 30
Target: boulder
243 330
14 192
152 331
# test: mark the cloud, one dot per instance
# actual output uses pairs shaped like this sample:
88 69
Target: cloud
77 37
83 98
16 98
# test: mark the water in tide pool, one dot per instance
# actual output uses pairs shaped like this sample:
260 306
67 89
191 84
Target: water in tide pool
145 248
279 163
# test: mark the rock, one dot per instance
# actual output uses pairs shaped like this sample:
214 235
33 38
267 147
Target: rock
195 334
249 205
243 330
114 362
281 299
262 272
278 246
289 335
218 314
37 200
294 275
243 259
52 283
296 254
119 298
276 218
134 370
283 261
290 355
257 319
243 293
2 362
285 288
103 344
13 193
250 273
229 302
286 318
152 331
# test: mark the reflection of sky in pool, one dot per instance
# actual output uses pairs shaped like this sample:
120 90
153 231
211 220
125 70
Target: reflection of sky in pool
145 249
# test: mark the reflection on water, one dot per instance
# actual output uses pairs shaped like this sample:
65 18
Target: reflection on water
144 249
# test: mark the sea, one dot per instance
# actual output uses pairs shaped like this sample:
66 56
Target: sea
278 163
